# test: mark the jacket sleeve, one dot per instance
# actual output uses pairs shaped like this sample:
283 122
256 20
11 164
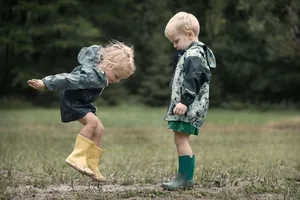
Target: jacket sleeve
82 78
195 75
85 76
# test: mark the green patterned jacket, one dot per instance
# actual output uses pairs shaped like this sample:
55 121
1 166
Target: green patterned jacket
190 84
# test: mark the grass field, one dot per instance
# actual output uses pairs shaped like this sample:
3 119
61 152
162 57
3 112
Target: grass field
239 155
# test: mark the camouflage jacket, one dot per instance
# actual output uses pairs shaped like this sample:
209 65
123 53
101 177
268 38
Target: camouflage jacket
190 84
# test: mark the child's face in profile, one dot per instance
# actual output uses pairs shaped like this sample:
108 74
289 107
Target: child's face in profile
180 41
114 75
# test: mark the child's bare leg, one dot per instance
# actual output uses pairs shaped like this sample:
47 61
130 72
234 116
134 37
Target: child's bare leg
186 163
99 132
78 158
95 152
181 141
90 123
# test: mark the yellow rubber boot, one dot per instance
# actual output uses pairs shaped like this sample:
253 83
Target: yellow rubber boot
93 157
78 158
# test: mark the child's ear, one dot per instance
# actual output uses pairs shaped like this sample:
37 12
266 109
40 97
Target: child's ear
190 34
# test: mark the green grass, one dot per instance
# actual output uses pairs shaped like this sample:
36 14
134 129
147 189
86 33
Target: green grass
238 155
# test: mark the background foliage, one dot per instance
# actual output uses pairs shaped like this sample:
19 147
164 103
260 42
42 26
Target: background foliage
256 44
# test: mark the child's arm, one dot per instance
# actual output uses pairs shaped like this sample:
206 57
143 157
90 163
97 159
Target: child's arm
62 81
56 82
80 78
85 76
195 75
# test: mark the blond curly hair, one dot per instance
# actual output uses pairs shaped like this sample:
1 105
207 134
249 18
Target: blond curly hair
118 55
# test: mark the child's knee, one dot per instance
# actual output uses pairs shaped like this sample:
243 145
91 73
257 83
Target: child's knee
92 121
179 141
100 128
181 138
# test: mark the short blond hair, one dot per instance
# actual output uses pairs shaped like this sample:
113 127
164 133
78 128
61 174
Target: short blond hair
181 23
118 55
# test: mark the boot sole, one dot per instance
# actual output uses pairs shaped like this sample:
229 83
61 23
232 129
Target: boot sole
176 189
98 180
78 169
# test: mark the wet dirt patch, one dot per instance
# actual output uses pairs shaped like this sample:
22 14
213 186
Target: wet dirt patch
63 190
92 190
137 192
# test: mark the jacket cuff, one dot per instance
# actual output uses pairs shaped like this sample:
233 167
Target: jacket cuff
46 82
187 99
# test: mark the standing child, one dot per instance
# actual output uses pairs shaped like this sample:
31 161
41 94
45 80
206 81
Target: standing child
99 66
189 92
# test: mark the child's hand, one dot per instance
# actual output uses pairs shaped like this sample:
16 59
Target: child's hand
179 109
36 84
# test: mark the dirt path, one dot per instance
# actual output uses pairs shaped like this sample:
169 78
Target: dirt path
132 192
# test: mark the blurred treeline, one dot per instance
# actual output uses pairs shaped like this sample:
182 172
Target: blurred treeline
256 44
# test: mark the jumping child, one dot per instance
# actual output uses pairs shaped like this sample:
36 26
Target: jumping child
99 67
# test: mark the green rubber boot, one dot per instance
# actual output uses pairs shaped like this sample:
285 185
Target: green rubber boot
184 178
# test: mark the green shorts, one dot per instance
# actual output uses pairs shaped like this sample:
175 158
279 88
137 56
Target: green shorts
182 127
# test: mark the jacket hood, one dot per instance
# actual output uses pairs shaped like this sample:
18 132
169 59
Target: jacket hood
210 57
89 56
